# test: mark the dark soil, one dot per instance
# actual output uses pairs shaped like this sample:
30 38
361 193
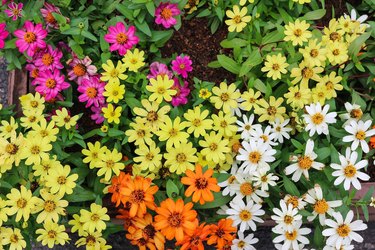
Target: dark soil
195 39
371 170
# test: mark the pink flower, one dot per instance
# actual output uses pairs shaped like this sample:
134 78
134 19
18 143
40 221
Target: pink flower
47 15
164 14
182 65
31 39
51 83
34 72
15 10
182 93
97 115
49 59
92 92
3 35
159 69
81 69
120 38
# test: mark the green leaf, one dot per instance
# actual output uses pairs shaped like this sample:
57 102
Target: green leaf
318 237
172 189
89 35
229 64
356 45
314 15
235 42
150 6
59 18
259 85
356 99
290 187
80 194
272 37
219 200
205 12
112 132
128 13
143 27
323 153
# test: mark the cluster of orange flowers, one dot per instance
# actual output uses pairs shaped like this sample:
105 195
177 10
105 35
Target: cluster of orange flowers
372 140
174 219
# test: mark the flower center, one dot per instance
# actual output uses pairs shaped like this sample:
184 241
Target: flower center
246 189
264 137
137 196
21 203
275 66
297 32
196 122
175 219
114 73
61 180
334 36
305 162
35 73
94 217
149 156
247 127
237 19
149 231
254 157
182 66
336 52
236 147
50 19
152 116
321 206
67 118
298 95
271 110
91 92
223 124
291 235
49 206
16 12
356 113
50 83
166 13
90 240
32 118
245 215
29 37
180 157
307 72
343 230
34 104
224 97
173 132
11 149
317 118
288 219
35 150
360 135
121 38
9 128
350 171
201 183
47 59
110 164
293 200
161 90
141 133
13 238
79 69
314 53
213 146
52 234
231 179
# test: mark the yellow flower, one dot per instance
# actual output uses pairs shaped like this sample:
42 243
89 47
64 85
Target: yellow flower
113 74
140 133
214 147
304 73
191 5
298 98
196 121
45 130
92 241
77 225
35 147
104 128
151 115
14 239
242 2
45 165
275 65
31 117
161 88
332 33
225 124
94 219
110 162
32 102
63 119
302 1
3 213
318 95
225 97
112 114
8 128
331 83
92 153
181 158
149 157
21 203
51 207
172 132
297 32
52 234
11 152
203 161
337 52
60 181
114 92
314 54
271 110
204 93
134 60
250 98
238 19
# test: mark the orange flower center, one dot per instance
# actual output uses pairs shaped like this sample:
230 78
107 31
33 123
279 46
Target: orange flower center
50 18
350 171
343 230
11 149
201 183
137 196
79 69
288 219
360 135
50 83
182 66
224 97
91 92
245 215
47 59
231 179
121 38
35 73
246 188
149 231
236 147
305 162
166 13
356 113
291 235
175 219
29 37
293 200
152 116
307 73
254 157
16 12
321 206
317 118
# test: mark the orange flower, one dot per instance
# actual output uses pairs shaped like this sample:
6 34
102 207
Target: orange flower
140 194
222 233
201 184
144 235
372 140
195 241
176 219
117 183
124 215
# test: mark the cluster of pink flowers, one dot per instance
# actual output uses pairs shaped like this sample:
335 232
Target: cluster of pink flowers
3 35
165 14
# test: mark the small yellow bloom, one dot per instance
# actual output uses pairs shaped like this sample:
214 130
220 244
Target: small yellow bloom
372 203
8 128
31 117
270 110
331 83
318 95
113 74
114 92
151 114
250 98
181 158
35 148
304 73
50 207
337 52
92 154
242 2
45 130
21 202
134 60
110 162
314 54
112 114
238 19
104 128
60 181
172 132
140 133
298 98
32 102
214 147
197 122
63 119
149 157
224 124
93 220
297 32
52 234
77 225
204 93
225 97
13 238
161 89
302 1
275 65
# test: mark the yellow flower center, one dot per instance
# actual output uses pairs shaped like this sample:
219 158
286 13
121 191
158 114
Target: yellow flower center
94 217
246 188
21 203
350 171
173 132
223 124
67 118
110 163
34 104
52 234
90 240
247 127
35 150
224 97
149 156
49 206
321 206
307 73
161 90
197 122
152 116
360 135
293 200
115 93
11 149
50 83
264 137
182 66
121 38
305 162
334 36
237 19
79 69
288 219
180 157
114 73
245 215
356 113
241 244
213 146
343 230
264 178
91 92
291 235
298 32
254 157
231 179
336 52
32 118
61 180
141 133
47 59
271 110
275 66
13 238
9 128
29 37
314 53
133 61
317 118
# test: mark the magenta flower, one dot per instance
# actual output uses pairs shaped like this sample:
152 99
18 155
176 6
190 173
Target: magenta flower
34 72
97 115
120 38
14 11
92 92
182 93
49 59
81 69
159 69
164 14
50 83
3 35
182 65
31 39
47 15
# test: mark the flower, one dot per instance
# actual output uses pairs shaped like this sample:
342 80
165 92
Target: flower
204 93
172 132
348 171
244 243
246 126
3 212
360 19
275 65
302 1
354 113
7 129
14 11
112 114
297 32
195 241
35 148
359 132
286 218
14 238
92 240
94 219
161 69
49 59
291 238
372 202
304 73
201 185
120 38
270 110
114 92
3 34
109 162
175 219
225 97
214 147
50 207
63 119
48 16
314 54
182 65
192 6
77 225
134 60
81 69
337 52
21 202
151 115
140 133
117 182
30 38
51 83
224 123
92 92
113 74
181 158
280 130
196 121
165 13
245 188
149 157
45 130
250 98
343 231
180 98
222 233
52 234
161 89
262 179
317 118
60 181
304 163
238 19
296 201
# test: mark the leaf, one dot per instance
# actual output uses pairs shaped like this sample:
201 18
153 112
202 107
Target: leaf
143 27
318 237
125 11
112 132
272 37
172 189
357 99
290 187
314 15
89 35
356 45
235 42
150 6
259 85
218 201
323 153
80 194
59 18
229 64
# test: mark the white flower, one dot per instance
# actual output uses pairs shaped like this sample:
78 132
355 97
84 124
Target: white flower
314 196
280 131
359 134
228 185
262 179
245 214
246 188
246 126
237 111
265 136
342 232
354 113
372 202
348 172
291 238
296 201
242 243
342 247
304 163
287 217
255 155
317 118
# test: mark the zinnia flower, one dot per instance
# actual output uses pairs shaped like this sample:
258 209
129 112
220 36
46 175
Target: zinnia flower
222 233
92 92
51 83
14 11
157 69
120 38
182 65
97 114
164 14
49 59
3 34
47 15
30 38
81 69
195 241
180 98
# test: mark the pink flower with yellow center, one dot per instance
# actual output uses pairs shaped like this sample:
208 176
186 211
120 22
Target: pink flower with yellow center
30 38
120 38
81 69
51 83
92 92
182 65
47 15
3 35
49 59
14 11
182 93
159 69
165 13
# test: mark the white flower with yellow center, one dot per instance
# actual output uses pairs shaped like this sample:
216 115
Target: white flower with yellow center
246 126
264 179
297 202
291 238
342 247
246 188
244 243
266 136
304 163
286 217
347 171
318 119
354 113
280 130
321 207
245 215
342 232
358 134
228 185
